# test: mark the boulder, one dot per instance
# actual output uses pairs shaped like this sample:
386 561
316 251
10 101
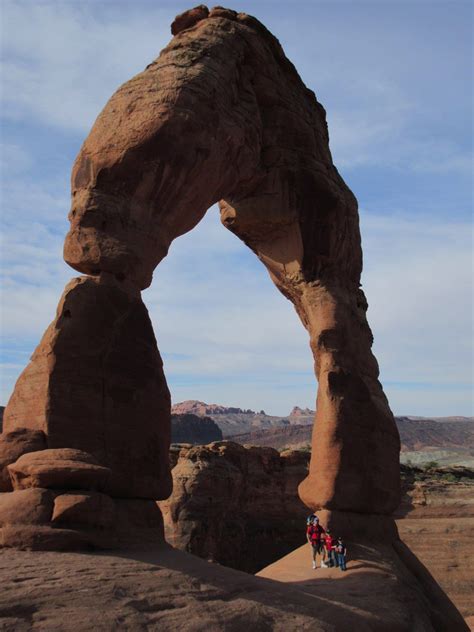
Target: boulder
12 446
58 469
93 510
189 18
26 507
224 492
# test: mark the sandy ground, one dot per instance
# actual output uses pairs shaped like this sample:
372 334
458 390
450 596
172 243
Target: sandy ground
446 547
168 590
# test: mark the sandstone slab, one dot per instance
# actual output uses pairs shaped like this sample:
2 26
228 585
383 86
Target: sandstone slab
26 506
169 590
94 510
12 446
58 469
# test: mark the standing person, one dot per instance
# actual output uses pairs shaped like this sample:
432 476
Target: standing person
329 546
314 534
341 552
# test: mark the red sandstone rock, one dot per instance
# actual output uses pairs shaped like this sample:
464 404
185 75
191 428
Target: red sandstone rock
106 392
12 446
222 115
301 412
236 505
189 18
26 506
58 469
436 520
195 407
193 429
93 509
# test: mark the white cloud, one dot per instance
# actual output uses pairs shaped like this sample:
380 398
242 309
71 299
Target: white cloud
227 335
62 61
418 279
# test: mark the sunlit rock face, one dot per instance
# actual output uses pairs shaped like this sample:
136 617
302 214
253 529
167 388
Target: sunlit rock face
220 116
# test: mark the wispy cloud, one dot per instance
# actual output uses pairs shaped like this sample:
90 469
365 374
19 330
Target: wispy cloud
62 60
225 332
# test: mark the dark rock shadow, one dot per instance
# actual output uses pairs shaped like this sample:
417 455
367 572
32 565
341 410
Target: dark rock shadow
397 593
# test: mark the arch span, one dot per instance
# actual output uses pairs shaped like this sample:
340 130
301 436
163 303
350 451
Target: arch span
220 116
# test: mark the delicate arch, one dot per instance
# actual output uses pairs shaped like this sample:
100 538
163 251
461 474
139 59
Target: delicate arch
222 115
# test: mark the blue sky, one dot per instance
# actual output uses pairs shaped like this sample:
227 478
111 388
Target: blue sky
396 81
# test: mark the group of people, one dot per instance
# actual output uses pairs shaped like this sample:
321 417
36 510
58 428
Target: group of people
332 551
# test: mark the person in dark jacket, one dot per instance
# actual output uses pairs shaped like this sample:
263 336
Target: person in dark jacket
341 552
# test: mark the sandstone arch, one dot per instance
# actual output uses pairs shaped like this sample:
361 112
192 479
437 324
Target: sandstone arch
221 115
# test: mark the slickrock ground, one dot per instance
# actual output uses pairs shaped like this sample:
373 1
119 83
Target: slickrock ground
168 590
384 588
165 590
227 492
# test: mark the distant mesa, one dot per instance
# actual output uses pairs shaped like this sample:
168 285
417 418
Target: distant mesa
301 412
196 407
189 428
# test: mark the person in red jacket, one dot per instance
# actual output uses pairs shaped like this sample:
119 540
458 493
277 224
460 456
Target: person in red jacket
314 535
329 545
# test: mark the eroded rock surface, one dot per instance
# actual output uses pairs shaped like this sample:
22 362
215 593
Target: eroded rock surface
436 520
188 428
236 505
95 383
58 469
220 116
13 445
168 590
94 394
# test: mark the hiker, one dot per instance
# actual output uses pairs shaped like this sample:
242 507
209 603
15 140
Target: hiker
330 545
314 534
341 552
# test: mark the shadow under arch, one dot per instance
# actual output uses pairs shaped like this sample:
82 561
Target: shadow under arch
220 116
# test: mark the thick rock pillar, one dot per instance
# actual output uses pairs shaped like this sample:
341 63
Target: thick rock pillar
96 391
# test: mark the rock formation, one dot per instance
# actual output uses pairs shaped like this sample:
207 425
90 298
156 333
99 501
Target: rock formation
252 493
220 116
90 412
196 407
301 412
436 520
193 429
225 492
